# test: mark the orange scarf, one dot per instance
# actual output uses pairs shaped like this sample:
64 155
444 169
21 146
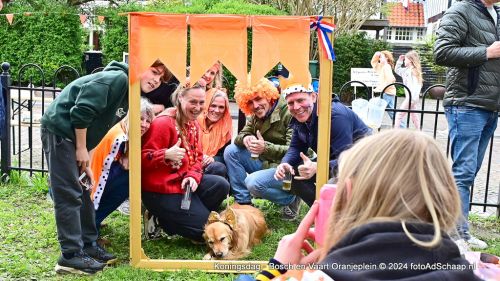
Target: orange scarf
218 134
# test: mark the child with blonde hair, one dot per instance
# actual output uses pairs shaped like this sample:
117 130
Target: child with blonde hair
412 78
383 63
389 218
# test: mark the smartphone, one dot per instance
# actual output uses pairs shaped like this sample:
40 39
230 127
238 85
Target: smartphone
85 181
186 199
326 197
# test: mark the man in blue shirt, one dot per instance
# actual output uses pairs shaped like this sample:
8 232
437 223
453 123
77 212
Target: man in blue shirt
346 128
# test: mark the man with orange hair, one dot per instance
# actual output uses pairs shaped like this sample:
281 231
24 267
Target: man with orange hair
261 143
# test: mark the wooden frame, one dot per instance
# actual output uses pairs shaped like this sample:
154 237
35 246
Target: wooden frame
137 255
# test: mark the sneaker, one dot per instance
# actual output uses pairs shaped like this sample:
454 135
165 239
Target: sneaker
291 211
124 208
476 243
99 254
152 229
81 263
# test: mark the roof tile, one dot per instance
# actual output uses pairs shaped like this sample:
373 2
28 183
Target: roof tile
413 16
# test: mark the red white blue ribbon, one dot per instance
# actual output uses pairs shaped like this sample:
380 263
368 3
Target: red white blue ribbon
323 28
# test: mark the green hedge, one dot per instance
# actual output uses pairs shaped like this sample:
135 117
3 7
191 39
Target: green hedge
49 40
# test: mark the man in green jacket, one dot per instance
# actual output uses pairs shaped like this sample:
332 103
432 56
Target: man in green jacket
468 43
73 124
261 143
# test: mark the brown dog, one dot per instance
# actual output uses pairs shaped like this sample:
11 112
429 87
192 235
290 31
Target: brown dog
232 234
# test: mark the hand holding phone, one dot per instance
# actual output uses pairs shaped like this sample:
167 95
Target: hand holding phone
85 181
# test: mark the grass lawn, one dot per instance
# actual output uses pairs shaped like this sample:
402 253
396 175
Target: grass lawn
29 247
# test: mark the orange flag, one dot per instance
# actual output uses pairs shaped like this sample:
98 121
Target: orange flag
101 19
155 36
10 18
280 39
218 37
83 18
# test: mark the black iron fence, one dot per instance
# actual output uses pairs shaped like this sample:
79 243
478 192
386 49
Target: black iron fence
485 192
21 148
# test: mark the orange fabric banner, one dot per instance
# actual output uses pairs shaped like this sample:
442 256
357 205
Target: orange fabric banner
280 39
218 37
10 18
155 36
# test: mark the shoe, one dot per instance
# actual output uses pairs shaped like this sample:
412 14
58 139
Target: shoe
81 263
99 254
152 229
291 211
463 247
124 208
476 243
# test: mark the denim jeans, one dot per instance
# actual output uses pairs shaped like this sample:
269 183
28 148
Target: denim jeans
390 103
262 184
470 130
238 164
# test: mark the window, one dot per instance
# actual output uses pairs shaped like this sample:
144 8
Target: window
420 34
388 35
403 34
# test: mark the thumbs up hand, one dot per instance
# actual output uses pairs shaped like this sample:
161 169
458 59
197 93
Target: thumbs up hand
258 145
175 153
307 170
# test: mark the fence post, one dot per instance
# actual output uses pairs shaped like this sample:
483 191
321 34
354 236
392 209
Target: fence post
5 140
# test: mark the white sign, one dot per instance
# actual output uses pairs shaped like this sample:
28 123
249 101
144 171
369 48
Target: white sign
365 75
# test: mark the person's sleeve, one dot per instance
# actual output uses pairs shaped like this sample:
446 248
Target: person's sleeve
155 142
277 151
249 129
451 34
341 135
399 69
273 270
297 146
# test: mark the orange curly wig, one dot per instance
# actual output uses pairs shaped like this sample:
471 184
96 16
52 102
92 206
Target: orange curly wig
245 93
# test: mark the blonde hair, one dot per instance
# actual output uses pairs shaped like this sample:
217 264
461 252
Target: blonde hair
389 57
245 93
420 188
416 66
217 82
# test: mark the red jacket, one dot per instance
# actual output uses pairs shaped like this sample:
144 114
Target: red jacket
158 175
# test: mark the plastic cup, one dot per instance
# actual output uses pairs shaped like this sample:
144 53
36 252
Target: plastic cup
287 181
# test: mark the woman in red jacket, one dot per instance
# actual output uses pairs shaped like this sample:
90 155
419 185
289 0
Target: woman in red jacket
172 159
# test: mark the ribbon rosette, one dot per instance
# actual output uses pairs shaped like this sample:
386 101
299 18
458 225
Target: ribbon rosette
323 28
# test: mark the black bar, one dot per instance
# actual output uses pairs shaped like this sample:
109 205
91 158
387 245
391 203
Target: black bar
5 140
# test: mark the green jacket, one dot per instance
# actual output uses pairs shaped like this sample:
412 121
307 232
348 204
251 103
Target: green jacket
275 131
96 102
